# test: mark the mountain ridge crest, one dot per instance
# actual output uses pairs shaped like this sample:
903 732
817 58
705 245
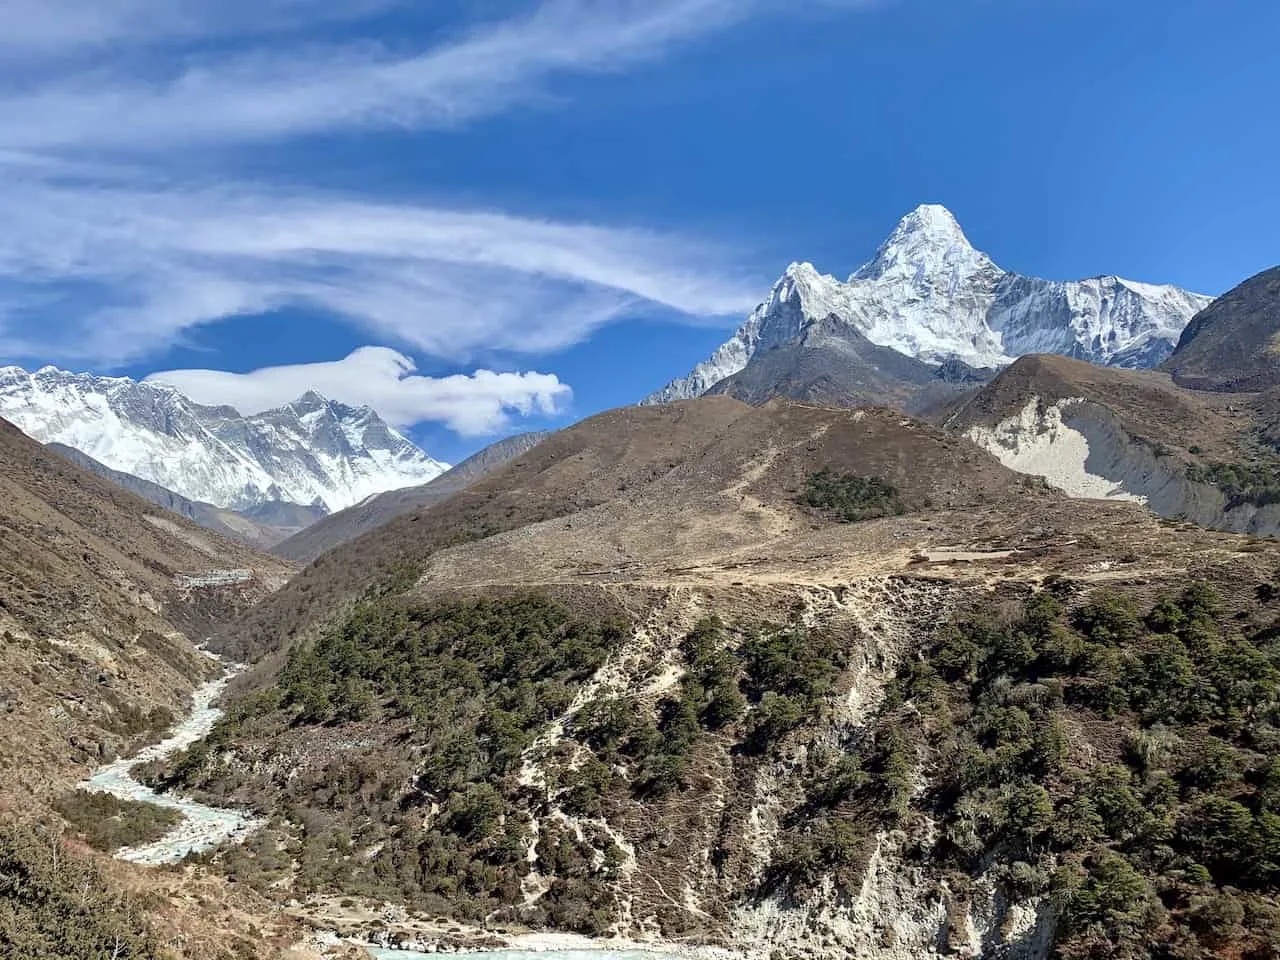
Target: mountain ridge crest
929 294
310 451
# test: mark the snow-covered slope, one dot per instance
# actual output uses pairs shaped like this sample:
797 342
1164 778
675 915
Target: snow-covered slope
311 451
929 294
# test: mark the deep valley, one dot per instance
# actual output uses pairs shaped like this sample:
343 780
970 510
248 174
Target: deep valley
987 668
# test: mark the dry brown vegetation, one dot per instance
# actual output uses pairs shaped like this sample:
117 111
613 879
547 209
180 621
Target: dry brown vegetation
95 638
666 517
686 481
670 515
1152 408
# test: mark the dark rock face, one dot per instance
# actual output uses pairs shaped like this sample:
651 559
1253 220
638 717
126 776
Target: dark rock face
1233 345
832 364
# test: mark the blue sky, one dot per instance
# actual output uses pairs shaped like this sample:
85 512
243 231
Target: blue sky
550 208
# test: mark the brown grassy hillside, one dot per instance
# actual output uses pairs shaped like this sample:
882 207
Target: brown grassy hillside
328 532
672 471
95 635
673 672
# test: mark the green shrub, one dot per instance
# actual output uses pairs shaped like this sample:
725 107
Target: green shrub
828 847
1115 902
107 823
1217 919
850 498
794 661
482 675
603 724
473 813
584 786
775 717
711 682
1243 483
55 906
1136 751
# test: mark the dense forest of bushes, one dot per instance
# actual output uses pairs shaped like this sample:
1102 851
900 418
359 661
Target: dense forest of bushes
755 691
469 684
850 498
1124 763
56 906
1243 483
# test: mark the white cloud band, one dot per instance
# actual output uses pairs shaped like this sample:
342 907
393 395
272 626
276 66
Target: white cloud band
476 404
104 271
282 90
105 263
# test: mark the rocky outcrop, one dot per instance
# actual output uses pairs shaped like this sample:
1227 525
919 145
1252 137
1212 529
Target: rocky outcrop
901 912
1082 448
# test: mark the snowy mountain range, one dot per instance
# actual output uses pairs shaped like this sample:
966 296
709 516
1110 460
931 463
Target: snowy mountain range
313 451
929 294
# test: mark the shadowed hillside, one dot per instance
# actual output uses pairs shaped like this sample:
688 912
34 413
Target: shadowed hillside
832 364
95 633
307 544
260 527
1231 345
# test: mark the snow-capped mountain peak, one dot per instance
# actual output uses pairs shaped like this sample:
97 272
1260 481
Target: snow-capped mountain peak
929 294
927 245
309 401
800 283
929 223
311 451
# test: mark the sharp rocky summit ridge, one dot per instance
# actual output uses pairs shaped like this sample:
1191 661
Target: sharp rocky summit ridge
311 452
929 294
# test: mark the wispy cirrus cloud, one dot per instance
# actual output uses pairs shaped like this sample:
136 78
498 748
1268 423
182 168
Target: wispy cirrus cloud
111 254
127 270
384 379
273 92
65 28
132 259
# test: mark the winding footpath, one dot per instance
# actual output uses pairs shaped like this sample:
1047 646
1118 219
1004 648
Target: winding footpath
202 827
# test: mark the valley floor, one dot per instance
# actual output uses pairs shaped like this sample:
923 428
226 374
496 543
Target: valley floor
202 827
